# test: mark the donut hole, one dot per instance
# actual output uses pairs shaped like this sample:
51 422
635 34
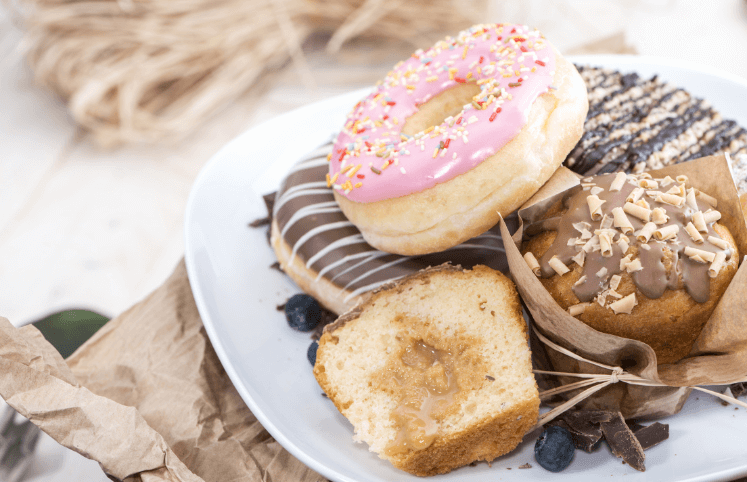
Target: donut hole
435 110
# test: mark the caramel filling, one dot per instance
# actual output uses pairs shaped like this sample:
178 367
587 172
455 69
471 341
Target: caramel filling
428 377
428 384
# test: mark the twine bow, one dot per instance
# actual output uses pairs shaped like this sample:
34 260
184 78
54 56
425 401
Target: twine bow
597 381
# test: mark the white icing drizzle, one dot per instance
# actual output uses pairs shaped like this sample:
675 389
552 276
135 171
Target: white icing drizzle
342 242
306 189
313 232
310 210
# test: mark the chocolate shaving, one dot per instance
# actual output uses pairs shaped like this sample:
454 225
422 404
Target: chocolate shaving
623 442
327 318
526 466
260 222
269 200
652 434
585 427
738 389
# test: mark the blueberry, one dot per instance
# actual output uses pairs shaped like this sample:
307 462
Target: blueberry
303 312
554 449
311 352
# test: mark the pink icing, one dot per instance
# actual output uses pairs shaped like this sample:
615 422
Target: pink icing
512 64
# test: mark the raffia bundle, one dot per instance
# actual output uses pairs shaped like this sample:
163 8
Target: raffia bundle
134 71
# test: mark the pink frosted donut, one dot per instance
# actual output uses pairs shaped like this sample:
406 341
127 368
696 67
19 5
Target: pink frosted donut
440 147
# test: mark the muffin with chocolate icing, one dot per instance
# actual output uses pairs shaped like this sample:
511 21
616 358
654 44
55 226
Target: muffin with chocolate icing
637 257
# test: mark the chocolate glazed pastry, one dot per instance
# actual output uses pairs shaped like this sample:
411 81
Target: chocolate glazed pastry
652 268
636 124
327 256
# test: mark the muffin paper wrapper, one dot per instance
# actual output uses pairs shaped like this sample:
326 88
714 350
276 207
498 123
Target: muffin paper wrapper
719 355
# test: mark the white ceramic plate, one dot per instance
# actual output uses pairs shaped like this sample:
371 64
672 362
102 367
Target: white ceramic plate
237 294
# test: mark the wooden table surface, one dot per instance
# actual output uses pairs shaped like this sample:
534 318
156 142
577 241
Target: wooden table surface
84 227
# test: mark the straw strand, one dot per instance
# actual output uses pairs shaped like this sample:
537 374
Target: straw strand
142 70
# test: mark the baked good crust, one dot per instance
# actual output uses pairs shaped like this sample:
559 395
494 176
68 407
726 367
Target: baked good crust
669 324
467 205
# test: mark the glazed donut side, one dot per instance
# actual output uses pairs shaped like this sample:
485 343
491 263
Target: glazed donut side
469 204
327 293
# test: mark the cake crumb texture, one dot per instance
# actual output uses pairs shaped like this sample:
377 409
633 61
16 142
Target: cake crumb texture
434 371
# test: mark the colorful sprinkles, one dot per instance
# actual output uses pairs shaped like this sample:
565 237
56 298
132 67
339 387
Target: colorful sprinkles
495 57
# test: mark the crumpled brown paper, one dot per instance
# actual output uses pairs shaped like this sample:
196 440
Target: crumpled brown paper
719 356
146 397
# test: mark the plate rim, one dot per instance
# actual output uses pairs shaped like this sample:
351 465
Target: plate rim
217 158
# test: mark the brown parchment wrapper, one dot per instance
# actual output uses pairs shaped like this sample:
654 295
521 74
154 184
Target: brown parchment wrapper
146 397
719 356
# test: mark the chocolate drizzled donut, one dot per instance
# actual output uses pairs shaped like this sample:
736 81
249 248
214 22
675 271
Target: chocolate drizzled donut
636 124
318 234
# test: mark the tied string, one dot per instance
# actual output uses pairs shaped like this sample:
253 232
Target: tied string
597 381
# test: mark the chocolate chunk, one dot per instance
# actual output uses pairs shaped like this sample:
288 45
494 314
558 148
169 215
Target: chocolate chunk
269 200
634 426
260 222
652 434
738 389
623 442
585 427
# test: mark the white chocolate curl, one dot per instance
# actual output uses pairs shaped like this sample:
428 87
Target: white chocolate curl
606 244
635 195
670 199
718 242
533 263
693 232
619 181
645 233
648 184
595 207
615 281
691 201
711 216
709 199
681 178
596 190
667 232
659 216
580 258
638 211
699 253
634 265
558 266
622 221
699 222
624 305
624 246
578 309
717 264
